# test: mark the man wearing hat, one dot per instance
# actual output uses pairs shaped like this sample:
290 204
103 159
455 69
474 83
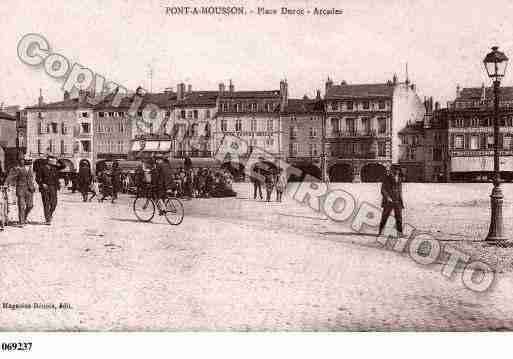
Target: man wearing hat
392 192
22 177
48 181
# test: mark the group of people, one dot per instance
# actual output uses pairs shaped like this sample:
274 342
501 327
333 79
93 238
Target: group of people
272 180
22 178
107 182
183 182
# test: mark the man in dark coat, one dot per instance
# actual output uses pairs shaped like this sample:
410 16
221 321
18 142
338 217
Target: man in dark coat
392 192
115 180
84 180
22 178
164 179
257 183
48 181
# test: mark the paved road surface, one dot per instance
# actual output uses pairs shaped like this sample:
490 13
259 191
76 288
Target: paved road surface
234 264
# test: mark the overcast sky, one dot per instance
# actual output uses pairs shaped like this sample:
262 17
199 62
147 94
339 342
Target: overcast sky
442 41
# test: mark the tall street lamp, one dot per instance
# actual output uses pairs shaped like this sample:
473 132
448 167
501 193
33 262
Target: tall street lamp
495 64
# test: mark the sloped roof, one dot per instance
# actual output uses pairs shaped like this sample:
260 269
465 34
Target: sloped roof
474 93
303 106
70 104
347 91
251 94
198 98
6 116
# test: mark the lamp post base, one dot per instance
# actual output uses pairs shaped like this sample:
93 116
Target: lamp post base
496 232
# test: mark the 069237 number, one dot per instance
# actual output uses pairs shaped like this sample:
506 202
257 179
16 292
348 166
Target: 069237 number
16 346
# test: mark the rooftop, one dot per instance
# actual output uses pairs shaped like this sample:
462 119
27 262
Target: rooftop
475 93
6 116
251 94
303 106
347 91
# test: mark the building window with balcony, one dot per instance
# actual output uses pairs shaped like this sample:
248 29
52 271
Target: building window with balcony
437 154
224 125
85 114
366 125
269 142
55 128
313 149
225 107
506 142
350 125
382 149
238 125
39 128
381 105
86 146
63 128
349 105
182 114
474 142
50 146
195 114
366 105
86 128
313 132
293 132
139 113
62 147
459 142
490 142
101 114
335 125
382 125
294 149
269 107
38 146
207 113
270 125
253 125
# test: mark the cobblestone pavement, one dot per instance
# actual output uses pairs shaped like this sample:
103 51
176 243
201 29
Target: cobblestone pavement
237 264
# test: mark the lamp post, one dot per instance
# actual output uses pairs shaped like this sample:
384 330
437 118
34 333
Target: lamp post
495 64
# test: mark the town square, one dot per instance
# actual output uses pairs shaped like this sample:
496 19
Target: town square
291 167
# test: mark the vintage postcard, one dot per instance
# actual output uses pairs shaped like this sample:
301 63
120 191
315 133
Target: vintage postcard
256 166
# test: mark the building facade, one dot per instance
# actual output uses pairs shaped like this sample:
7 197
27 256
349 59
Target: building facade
362 127
8 151
470 120
253 116
302 127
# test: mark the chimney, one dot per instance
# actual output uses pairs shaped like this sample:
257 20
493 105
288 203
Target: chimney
180 91
221 89
40 100
458 91
483 92
82 94
343 83
437 106
284 94
231 88
305 97
189 88
394 79
318 96
66 95
329 84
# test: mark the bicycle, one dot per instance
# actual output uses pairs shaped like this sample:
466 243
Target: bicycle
146 203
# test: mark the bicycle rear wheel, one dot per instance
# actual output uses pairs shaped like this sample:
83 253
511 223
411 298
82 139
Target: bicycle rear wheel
174 211
144 209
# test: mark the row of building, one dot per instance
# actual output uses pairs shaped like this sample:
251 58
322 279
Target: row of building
349 134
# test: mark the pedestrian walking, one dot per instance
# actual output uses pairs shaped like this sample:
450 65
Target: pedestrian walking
22 178
257 184
269 185
115 174
391 190
281 184
48 181
84 179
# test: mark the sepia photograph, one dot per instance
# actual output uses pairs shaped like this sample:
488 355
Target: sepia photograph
255 166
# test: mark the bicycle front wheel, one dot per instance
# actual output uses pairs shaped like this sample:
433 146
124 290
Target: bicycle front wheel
173 211
144 209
